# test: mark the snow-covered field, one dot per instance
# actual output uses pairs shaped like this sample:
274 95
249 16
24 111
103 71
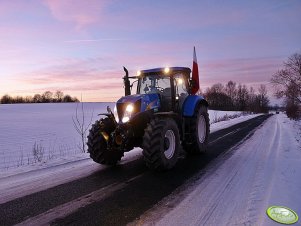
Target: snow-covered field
48 129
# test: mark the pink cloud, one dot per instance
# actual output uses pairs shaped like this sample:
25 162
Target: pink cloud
74 77
251 72
81 13
89 76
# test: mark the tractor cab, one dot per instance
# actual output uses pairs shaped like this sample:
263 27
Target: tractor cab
171 84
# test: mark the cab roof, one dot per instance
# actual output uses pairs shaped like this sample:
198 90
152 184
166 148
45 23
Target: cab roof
172 70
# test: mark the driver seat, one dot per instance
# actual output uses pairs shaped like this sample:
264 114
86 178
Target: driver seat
166 99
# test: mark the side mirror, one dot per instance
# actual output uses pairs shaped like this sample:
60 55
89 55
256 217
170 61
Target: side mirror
191 83
109 110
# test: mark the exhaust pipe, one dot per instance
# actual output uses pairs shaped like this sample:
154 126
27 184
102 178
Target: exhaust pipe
127 84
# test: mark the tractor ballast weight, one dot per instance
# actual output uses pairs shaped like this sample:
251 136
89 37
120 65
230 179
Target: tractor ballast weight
162 116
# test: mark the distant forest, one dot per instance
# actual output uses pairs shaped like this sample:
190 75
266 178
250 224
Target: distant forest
46 97
233 97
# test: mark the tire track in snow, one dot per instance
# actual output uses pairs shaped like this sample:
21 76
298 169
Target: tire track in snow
217 204
264 161
249 164
266 173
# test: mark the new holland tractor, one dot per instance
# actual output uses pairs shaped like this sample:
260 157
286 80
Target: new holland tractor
161 117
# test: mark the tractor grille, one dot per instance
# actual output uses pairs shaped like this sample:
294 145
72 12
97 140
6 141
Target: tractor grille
120 109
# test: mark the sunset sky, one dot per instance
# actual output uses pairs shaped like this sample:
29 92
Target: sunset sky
80 46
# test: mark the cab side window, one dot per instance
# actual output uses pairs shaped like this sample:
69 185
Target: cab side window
180 85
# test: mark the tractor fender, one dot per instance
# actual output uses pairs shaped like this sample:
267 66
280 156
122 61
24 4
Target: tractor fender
191 103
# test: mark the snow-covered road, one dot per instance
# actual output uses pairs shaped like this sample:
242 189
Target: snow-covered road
242 183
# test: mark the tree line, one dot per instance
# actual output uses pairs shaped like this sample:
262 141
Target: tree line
287 84
233 97
46 97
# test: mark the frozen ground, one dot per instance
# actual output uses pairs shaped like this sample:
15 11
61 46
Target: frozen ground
235 189
240 185
48 128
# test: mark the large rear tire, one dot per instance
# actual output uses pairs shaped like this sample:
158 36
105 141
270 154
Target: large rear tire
161 144
196 140
97 145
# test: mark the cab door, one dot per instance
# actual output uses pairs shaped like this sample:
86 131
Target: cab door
181 91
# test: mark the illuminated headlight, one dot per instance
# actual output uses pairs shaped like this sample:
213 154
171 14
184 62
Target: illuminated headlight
128 113
125 119
180 81
166 70
116 114
129 108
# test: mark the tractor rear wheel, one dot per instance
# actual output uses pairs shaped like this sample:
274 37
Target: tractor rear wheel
97 145
196 140
161 144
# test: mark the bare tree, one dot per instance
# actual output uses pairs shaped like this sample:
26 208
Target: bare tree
67 98
231 90
58 96
252 105
47 97
288 77
6 99
263 98
28 99
81 125
242 97
37 98
217 98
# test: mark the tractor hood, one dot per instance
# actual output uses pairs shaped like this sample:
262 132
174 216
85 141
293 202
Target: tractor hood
147 101
129 106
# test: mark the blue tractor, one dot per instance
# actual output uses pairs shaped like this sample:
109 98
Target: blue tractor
161 117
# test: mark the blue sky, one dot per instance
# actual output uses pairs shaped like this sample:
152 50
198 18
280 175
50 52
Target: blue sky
79 47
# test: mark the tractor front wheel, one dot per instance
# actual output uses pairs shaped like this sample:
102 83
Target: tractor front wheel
161 144
97 144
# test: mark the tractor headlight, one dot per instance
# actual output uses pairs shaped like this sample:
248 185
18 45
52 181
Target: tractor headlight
129 108
179 81
128 113
166 70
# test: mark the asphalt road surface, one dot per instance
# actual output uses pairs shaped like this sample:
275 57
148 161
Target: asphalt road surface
120 194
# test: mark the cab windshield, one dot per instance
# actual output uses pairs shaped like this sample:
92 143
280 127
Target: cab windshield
153 84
